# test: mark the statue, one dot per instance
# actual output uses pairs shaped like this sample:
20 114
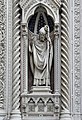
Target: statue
41 54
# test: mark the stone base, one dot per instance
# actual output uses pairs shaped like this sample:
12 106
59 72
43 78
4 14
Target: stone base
15 115
40 104
65 115
2 114
40 118
40 90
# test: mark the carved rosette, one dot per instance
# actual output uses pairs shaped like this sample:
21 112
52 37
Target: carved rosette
64 55
16 57
2 54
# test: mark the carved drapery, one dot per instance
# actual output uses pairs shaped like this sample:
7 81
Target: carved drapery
64 55
2 53
16 57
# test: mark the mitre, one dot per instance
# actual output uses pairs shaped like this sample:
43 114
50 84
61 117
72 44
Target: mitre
42 31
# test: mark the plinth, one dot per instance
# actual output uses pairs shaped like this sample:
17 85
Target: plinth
40 104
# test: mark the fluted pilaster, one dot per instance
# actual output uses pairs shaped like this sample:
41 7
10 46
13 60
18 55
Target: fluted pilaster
16 57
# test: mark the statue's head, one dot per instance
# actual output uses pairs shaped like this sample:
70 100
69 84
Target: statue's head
46 28
42 34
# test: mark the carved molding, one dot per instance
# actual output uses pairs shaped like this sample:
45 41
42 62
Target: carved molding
2 53
77 83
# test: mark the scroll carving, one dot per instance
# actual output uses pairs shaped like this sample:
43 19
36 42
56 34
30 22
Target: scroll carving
16 57
2 54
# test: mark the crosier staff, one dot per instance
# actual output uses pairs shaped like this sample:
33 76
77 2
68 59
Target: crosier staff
46 28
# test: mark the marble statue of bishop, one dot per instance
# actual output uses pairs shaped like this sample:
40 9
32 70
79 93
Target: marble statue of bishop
41 54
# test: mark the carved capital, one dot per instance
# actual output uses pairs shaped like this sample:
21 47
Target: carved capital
56 30
24 29
57 104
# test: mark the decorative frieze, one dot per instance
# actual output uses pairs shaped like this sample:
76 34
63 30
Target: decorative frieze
77 83
38 105
2 53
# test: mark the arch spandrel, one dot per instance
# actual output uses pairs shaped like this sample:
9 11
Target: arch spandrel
29 7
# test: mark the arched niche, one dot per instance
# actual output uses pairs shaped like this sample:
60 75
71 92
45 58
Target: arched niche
49 14
39 19
50 11
30 20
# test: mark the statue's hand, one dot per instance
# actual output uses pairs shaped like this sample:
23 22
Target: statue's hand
46 28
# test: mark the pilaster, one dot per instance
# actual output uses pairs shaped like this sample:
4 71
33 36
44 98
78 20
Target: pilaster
57 69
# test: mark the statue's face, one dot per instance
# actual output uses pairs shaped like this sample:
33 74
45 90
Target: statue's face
46 28
42 37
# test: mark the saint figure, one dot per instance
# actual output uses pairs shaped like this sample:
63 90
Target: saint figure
41 54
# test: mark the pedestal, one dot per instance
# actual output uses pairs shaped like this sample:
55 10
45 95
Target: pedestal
40 104
15 115
40 90
2 114
65 115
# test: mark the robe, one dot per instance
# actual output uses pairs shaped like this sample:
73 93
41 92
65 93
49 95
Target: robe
41 61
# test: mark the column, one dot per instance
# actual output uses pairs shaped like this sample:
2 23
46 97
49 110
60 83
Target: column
16 114
24 57
65 114
24 40
57 71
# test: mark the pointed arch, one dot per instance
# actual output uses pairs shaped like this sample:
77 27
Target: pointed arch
33 8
